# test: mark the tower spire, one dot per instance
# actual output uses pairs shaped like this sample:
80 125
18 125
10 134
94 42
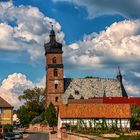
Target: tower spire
52 34
119 75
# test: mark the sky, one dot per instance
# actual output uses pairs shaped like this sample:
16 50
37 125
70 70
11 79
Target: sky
97 36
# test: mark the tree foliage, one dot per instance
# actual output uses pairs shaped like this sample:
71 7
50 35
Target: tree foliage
135 120
50 115
34 101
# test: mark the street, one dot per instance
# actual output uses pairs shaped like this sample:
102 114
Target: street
37 136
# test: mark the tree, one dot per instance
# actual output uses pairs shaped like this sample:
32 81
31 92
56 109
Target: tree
88 77
34 105
23 115
50 115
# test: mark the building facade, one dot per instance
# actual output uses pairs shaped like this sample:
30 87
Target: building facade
6 113
90 114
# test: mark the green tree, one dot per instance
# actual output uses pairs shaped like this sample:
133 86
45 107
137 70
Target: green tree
23 115
34 105
50 116
88 77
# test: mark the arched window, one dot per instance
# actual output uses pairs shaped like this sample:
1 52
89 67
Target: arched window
55 72
56 86
56 99
54 60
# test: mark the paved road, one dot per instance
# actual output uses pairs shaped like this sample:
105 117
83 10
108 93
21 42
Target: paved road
38 136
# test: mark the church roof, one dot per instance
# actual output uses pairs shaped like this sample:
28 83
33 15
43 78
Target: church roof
111 111
53 46
91 87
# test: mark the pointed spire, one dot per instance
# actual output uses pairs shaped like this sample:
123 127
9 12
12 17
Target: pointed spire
52 34
119 75
119 71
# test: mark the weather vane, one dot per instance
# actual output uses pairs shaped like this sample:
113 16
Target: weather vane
51 25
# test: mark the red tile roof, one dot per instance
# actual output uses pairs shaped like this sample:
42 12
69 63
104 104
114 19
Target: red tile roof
118 100
95 111
4 103
86 101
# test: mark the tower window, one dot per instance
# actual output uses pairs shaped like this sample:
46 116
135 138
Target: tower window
56 86
55 72
56 99
54 60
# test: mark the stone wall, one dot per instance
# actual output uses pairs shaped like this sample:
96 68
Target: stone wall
75 136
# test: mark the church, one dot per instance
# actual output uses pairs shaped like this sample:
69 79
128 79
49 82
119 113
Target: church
60 90
92 99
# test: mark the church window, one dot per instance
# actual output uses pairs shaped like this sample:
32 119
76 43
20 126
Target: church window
55 72
56 86
54 60
56 99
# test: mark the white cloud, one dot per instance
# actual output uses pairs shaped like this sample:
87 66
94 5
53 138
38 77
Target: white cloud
25 28
133 90
95 8
119 44
137 74
13 86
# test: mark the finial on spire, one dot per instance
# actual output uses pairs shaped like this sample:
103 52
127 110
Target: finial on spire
52 26
52 33
119 75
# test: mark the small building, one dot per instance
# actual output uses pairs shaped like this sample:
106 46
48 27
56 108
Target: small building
95 114
6 113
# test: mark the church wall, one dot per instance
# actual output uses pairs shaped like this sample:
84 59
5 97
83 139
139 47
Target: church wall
50 74
51 87
50 57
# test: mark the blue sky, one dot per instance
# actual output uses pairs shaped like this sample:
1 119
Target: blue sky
97 36
75 24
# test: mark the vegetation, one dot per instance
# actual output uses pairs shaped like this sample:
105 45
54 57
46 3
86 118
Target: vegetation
50 116
89 77
34 101
135 120
99 128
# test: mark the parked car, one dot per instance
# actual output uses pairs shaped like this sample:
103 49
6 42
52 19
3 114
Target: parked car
18 135
9 136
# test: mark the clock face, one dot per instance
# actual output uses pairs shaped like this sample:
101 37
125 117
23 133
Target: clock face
56 81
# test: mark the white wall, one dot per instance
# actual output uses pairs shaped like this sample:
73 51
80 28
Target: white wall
121 123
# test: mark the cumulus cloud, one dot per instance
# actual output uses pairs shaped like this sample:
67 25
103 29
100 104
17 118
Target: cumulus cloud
14 85
95 8
132 89
119 44
25 33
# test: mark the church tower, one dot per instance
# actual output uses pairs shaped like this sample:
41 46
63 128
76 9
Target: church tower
54 70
